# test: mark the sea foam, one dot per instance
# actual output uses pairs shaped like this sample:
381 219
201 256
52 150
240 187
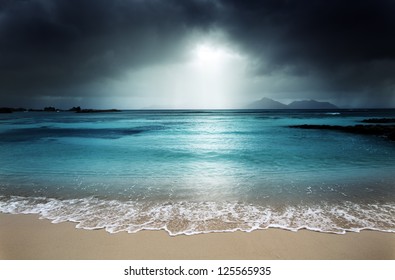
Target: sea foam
203 217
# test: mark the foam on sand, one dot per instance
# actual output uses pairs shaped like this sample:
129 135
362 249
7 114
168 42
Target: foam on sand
203 217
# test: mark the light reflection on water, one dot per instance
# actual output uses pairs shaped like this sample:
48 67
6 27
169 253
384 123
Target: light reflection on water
250 159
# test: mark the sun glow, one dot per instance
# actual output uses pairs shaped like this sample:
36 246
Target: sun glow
216 71
212 55
209 78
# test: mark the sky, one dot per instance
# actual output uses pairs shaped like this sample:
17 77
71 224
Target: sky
214 54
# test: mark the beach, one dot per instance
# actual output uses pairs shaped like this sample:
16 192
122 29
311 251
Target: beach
28 237
209 184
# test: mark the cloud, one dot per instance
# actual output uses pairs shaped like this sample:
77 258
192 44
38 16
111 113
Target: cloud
348 46
339 50
52 44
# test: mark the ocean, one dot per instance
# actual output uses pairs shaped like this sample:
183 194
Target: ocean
198 171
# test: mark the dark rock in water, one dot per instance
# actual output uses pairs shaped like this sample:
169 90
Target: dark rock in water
75 109
387 131
50 109
6 110
383 120
98 111
79 110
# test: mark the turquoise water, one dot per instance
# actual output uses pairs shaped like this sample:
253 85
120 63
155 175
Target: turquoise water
197 171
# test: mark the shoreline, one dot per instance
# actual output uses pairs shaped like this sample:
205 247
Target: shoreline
25 236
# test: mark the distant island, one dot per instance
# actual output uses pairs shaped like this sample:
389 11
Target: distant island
270 104
7 110
79 110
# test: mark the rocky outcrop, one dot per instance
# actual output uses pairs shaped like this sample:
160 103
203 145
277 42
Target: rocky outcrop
387 131
383 120
6 110
97 111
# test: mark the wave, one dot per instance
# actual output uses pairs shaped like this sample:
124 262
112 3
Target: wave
204 217
333 113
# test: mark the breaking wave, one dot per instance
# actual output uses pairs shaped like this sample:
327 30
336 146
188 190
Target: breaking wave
204 217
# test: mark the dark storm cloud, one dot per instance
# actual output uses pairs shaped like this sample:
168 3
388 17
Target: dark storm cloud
317 33
346 47
45 44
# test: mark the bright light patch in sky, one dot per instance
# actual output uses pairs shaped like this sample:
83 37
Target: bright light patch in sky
209 78
211 55
217 72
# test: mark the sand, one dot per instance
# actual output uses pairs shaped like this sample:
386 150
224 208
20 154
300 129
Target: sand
28 237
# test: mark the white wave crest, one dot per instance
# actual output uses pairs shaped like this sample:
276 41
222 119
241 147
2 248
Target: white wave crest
203 217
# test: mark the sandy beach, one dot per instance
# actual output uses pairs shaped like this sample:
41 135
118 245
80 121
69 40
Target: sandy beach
28 237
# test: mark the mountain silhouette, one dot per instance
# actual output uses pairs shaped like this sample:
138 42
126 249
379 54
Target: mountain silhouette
270 104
